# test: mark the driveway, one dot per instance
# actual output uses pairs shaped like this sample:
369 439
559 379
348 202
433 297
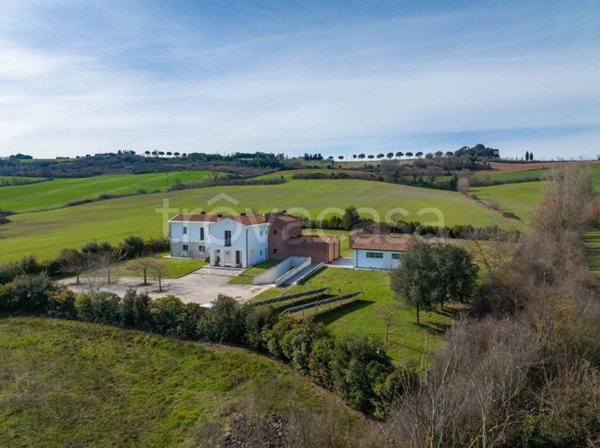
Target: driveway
201 286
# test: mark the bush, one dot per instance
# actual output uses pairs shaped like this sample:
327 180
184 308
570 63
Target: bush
103 308
297 343
274 336
135 310
223 322
167 314
257 319
26 265
319 362
62 305
358 364
132 247
27 293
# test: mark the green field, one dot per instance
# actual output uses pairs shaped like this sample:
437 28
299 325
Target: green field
408 342
57 192
521 199
17 180
46 233
511 175
74 384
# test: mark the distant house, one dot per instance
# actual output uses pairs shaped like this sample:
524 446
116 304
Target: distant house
374 247
245 240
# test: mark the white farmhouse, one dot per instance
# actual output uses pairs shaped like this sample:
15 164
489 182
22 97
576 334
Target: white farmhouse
229 241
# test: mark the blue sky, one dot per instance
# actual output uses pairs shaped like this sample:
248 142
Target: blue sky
339 78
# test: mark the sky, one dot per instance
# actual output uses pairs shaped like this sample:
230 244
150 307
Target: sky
84 76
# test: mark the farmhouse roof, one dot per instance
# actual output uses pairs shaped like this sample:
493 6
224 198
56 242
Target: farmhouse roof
242 219
380 242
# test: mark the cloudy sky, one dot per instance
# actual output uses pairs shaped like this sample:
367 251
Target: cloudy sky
83 76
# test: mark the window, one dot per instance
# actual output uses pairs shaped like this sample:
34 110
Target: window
201 233
185 230
374 255
227 238
201 249
185 247
274 232
396 256
274 251
261 253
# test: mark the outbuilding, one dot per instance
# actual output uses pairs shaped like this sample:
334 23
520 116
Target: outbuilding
378 251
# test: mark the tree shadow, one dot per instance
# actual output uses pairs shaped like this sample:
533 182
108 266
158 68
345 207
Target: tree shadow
338 312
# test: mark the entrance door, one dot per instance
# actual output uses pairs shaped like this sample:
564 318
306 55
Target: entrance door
228 258
238 258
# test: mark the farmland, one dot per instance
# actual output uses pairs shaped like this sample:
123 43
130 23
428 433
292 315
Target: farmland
46 233
81 385
58 192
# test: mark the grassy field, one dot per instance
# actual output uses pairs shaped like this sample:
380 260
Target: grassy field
82 385
57 192
521 199
511 175
46 233
408 342
16 180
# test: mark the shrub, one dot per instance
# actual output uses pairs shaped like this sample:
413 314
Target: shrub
273 336
256 320
135 310
27 293
319 362
62 305
104 308
167 314
296 344
223 322
358 364
132 247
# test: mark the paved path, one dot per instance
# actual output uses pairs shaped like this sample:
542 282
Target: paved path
201 286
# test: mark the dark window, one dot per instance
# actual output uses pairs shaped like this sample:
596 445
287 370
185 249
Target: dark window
201 233
185 230
227 238
274 251
396 256
185 247
201 248
374 255
274 232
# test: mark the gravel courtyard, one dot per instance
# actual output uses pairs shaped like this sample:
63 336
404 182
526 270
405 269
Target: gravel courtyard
201 286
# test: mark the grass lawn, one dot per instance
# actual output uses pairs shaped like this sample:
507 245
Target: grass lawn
57 192
74 384
175 268
246 277
408 342
46 233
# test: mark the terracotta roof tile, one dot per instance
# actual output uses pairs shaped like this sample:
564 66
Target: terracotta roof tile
246 219
380 242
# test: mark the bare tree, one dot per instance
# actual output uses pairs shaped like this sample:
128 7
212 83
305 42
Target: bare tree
159 267
93 273
492 248
143 265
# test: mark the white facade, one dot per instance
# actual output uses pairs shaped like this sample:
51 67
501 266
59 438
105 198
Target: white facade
190 239
233 244
376 259
226 242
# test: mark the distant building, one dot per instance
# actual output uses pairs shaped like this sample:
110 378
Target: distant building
245 240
